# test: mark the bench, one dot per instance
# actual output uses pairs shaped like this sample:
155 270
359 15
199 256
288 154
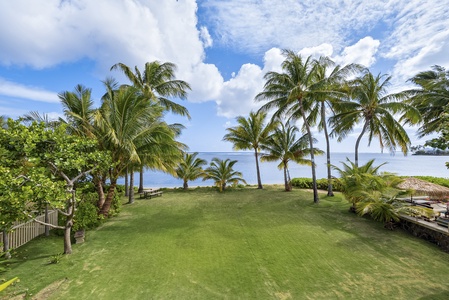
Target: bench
442 221
150 193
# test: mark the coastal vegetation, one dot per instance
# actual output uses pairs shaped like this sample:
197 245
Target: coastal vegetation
245 243
74 164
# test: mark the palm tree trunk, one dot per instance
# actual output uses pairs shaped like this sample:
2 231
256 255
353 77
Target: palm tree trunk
330 193
104 210
141 179
126 183
131 187
259 181
99 187
312 156
286 183
356 158
185 185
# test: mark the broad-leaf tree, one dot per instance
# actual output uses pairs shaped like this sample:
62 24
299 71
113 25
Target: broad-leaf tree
190 168
222 173
284 146
250 134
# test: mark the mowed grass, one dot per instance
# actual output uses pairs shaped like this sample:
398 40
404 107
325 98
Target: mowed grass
241 244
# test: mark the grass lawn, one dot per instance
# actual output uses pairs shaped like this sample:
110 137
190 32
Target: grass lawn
241 244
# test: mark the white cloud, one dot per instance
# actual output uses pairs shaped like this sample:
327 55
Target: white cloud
11 89
205 37
321 50
47 33
363 52
257 25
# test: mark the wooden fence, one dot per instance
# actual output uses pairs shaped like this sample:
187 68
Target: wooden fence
24 232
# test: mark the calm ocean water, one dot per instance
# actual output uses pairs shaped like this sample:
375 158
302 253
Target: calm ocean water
398 164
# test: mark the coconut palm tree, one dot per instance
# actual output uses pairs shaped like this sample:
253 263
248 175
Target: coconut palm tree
157 82
431 98
126 120
250 134
222 173
190 168
335 77
284 146
371 104
292 93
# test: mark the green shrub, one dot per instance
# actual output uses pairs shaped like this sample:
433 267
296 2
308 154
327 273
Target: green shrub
86 215
306 183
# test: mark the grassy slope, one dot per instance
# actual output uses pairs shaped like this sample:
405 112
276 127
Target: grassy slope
243 244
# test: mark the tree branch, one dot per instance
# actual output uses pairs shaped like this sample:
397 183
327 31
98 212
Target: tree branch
43 223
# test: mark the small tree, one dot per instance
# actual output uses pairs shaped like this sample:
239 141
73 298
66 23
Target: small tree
190 168
222 173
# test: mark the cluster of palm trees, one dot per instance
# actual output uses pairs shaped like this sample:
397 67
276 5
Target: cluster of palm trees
220 171
336 99
130 125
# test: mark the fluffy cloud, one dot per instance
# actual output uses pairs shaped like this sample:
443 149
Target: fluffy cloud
363 52
15 90
50 32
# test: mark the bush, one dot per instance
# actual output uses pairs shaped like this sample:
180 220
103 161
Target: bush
306 183
86 215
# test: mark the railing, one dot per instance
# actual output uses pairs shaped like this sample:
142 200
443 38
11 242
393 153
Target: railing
24 232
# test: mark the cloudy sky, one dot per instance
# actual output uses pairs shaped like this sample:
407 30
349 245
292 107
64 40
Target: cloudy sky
221 47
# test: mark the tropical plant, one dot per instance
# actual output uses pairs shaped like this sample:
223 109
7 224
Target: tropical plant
334 89
190 168
284 146
370 104
156 83
431 98
250 134
292 93
126 120
222 173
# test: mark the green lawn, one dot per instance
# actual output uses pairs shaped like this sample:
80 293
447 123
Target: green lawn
242 244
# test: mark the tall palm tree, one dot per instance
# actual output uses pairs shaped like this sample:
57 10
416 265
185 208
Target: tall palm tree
190 168
292 93
157 82
126 120
222 173
370 104
284 146
431 98
335 78
78 110
251 133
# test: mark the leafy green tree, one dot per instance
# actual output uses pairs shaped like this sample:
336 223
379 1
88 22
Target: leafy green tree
43 164
190 168
283 145
431 98
292 92
250 134
222 173
371 105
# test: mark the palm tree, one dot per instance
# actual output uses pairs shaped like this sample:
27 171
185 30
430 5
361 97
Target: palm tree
334 77
126 120
431 98
284 146
157 83
292 93
222 173
190 168
356 181
251 133
371 105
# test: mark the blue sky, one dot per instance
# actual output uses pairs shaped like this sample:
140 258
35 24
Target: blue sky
221 47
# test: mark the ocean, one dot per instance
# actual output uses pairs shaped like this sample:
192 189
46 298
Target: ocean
399 164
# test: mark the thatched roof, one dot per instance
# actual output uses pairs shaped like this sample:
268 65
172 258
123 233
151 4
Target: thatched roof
421 187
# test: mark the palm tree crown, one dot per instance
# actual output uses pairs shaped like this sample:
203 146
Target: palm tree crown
222 173
190 168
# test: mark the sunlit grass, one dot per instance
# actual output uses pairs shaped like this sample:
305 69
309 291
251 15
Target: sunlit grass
241 244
